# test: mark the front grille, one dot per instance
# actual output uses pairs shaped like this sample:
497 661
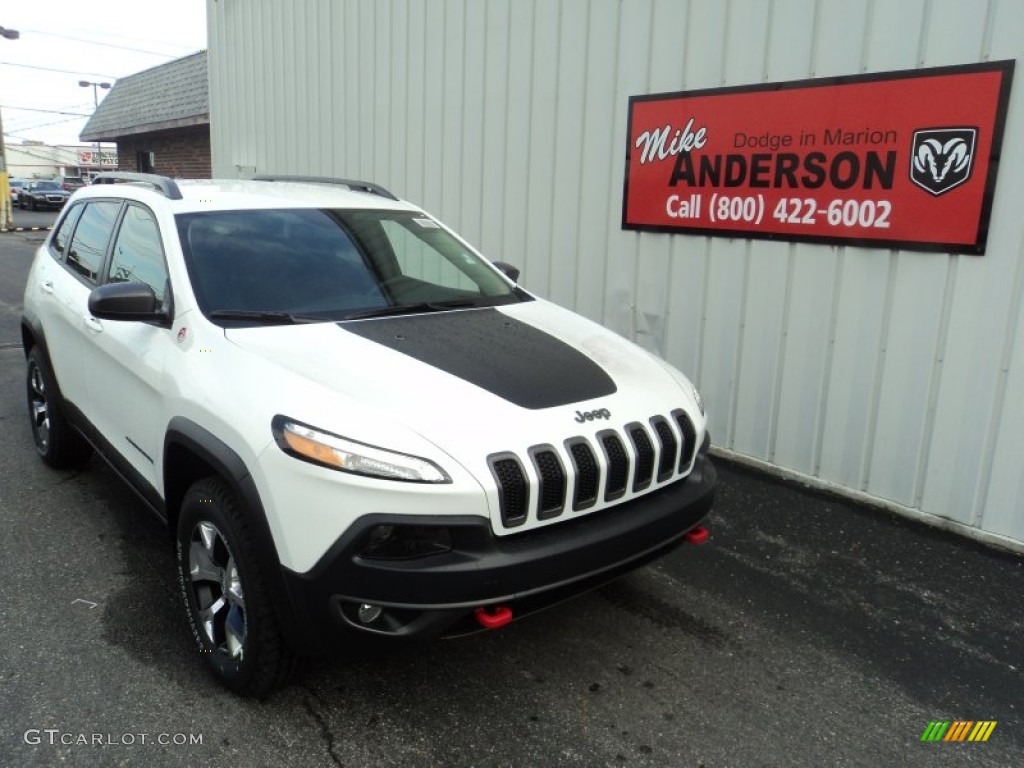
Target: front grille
618 465
588 473
551 475
669 447
644 454
689 438
513 492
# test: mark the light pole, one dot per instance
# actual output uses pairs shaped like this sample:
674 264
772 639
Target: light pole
5 186
95 106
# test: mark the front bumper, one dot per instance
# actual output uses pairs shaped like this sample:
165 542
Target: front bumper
437 594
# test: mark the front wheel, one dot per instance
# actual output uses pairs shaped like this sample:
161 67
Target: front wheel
229 610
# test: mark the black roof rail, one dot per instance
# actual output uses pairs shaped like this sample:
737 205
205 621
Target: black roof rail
162 184
356 186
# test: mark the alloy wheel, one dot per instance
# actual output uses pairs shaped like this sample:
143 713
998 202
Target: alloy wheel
39 408
217 590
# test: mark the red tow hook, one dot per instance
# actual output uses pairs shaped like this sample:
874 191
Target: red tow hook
697 535
501 616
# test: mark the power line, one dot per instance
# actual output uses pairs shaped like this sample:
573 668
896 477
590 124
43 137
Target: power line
62 71
133 38
41 125
52 111
104 45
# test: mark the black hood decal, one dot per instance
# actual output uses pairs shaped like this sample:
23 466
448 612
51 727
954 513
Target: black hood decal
500 354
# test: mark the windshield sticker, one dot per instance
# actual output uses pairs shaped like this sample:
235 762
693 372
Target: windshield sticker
426 223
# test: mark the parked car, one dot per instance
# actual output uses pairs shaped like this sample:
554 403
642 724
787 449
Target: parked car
71 183
16 186
351 422
42 194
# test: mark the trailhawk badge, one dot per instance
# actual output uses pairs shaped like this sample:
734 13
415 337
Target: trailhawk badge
942 158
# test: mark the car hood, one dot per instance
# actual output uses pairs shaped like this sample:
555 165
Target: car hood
482 378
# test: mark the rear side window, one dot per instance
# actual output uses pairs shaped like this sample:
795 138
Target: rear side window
138 253
89 243
67 226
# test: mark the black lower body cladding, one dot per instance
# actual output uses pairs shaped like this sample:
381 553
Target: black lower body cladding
435 594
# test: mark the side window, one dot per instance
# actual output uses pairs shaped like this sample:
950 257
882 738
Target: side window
63 234
89 243
138 254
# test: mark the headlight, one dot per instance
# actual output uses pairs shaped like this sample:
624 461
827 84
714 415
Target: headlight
328 450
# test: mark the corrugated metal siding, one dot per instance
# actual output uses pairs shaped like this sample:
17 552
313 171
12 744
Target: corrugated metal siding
894 373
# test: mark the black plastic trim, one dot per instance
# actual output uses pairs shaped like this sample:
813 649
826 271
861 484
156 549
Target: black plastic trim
510 521
542 482
617 492
644 456
353 184
668 448
533 568
115 460
578 502
689 434
166 186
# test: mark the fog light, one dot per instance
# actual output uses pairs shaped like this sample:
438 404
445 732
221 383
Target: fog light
369 613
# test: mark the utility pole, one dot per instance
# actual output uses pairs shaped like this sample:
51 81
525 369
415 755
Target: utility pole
6 219
95 106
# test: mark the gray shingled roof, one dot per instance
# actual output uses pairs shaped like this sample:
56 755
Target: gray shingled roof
172 95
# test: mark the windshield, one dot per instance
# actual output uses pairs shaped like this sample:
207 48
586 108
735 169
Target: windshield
47 185
279 265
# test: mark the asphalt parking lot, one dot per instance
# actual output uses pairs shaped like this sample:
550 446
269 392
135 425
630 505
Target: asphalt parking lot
807 632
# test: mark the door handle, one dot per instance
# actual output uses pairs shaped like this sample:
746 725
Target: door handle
47 286
93 324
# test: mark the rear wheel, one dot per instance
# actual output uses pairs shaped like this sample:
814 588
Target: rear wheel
56 441
229 610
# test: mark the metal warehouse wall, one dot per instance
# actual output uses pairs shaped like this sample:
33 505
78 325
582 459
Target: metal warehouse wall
895 374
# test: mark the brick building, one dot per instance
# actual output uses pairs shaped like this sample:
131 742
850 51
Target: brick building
160 119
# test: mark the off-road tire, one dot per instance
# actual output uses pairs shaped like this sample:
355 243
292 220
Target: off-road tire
213 539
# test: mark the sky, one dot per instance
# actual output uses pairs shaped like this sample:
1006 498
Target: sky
97 41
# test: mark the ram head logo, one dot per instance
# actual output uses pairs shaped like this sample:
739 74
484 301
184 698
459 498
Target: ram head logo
942 158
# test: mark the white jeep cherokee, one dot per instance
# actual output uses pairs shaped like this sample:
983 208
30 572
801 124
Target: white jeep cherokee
350 421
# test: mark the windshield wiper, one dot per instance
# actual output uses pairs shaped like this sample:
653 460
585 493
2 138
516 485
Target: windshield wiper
408 309
265 316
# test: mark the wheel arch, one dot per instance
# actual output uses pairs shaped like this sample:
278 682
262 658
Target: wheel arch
191 453
32 333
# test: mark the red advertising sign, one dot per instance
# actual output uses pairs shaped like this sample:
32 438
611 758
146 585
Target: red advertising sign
896 159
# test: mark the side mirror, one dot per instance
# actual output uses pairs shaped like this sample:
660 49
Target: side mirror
126 301
512 273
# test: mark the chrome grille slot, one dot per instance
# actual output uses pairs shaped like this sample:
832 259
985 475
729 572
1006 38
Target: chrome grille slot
618 464
669 448
588 473
513 491
551 475
689 433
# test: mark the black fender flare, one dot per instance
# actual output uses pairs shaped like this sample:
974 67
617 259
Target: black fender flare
185 434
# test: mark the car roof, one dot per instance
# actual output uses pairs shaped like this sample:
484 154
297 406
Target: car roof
239 194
